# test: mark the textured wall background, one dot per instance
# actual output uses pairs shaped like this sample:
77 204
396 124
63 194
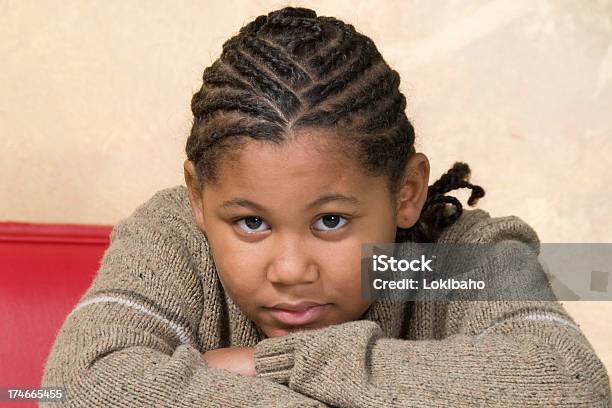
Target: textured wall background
94 106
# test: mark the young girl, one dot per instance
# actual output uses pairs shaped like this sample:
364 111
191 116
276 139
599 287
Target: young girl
243 288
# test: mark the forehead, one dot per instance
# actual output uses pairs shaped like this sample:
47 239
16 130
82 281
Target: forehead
307 164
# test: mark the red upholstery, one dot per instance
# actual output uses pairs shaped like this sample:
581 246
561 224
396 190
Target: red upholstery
44 270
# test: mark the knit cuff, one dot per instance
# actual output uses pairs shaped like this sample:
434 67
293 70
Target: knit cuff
274 357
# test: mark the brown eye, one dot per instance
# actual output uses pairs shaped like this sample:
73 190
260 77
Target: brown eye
331 222
251 224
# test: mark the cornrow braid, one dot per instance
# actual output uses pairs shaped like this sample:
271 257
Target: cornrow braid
302 26
333 58
291 70
367 56
218 76
269 87
244 102
277 61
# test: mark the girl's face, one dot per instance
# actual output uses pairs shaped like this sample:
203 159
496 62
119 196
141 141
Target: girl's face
285 225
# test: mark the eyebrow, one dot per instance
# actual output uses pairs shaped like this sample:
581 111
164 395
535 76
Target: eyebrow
242 202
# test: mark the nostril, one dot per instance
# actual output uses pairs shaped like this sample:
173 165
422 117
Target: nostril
292 276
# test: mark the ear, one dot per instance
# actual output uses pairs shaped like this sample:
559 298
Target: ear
412 194
195 193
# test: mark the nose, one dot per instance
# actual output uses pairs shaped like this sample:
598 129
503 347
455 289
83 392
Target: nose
291 265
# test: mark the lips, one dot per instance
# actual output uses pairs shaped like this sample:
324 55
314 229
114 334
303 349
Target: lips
296 307
298 313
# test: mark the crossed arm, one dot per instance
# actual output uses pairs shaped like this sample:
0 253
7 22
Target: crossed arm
494 353
132 342
538 357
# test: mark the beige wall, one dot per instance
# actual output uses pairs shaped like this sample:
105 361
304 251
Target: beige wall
94 106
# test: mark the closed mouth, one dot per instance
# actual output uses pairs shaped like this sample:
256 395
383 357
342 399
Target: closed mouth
301 315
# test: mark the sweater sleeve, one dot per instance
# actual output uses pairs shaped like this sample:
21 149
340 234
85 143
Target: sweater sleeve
132 340
496 353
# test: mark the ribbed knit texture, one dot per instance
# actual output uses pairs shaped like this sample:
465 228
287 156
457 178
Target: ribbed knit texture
136 337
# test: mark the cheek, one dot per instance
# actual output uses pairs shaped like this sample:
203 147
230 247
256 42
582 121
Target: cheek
238 269
343 270
240 279
380 229
343 281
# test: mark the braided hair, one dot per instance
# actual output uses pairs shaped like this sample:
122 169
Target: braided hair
290 70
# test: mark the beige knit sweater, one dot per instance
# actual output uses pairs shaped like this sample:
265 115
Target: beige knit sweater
137 336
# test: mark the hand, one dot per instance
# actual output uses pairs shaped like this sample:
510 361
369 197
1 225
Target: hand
236 359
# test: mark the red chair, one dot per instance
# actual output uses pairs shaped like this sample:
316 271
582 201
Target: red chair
44 270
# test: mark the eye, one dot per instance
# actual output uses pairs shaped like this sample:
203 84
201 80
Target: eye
331 222
251 225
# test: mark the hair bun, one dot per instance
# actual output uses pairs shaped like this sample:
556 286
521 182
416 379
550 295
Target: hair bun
289 12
